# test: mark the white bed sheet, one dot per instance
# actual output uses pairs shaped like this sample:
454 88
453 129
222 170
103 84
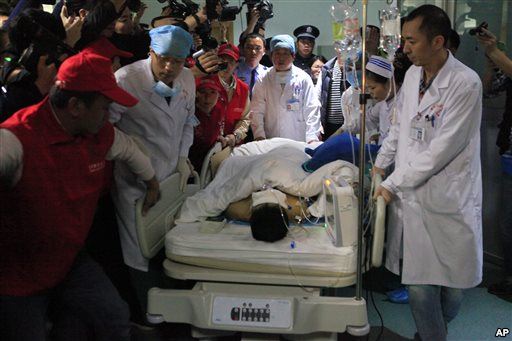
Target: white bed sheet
234 246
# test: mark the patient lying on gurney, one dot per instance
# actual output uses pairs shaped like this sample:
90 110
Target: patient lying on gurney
286 168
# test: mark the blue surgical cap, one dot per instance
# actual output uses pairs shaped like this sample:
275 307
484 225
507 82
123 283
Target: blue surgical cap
170 41
282 41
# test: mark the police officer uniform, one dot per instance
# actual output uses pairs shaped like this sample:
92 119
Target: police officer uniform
305 32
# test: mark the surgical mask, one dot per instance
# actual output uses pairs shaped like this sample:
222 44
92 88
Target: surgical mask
164 90
283 77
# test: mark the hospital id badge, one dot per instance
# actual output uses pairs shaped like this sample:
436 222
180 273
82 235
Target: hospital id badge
417 132
292 105
193 120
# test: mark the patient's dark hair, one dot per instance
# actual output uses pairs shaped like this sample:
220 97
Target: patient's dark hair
267 223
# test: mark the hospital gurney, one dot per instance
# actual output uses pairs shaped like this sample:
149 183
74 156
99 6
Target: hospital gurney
282 303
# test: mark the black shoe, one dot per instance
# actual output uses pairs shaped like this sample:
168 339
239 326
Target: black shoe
503 288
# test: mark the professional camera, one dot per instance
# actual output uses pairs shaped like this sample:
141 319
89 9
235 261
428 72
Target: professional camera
478 30
188 7
53 49
264 7
35 33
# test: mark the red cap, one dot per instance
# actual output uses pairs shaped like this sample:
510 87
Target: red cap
103 47
89 72
208 82
229 49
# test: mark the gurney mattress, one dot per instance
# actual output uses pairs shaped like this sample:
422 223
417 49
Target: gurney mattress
306 251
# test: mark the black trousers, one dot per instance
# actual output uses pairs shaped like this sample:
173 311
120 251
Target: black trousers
84 306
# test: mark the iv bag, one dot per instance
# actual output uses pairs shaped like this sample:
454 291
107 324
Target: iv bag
345 29
390 31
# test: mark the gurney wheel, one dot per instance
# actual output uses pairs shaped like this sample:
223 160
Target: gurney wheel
358 330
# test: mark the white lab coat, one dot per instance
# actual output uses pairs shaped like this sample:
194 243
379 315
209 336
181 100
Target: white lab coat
438 179
351 110
166 132
273 116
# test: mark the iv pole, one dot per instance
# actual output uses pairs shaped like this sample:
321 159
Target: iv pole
362 158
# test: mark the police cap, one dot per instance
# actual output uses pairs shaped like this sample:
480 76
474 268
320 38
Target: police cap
306 31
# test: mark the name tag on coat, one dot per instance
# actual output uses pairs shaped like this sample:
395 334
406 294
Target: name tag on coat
292 105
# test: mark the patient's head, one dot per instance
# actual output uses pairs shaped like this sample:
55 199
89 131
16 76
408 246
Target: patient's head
268 223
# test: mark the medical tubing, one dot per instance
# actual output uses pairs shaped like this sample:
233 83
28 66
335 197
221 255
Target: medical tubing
290 253
352 148
304 213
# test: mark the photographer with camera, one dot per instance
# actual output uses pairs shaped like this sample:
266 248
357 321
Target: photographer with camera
498 78
253 26
37 38
129 35
186 15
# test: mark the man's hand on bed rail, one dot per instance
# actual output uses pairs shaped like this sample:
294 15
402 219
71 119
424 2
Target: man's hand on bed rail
152 195
384 193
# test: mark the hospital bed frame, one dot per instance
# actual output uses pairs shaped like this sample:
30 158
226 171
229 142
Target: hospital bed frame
302 312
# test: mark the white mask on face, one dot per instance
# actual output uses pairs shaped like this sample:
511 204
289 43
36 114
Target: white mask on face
283 77
164 90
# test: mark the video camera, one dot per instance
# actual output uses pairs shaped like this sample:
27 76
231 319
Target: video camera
38 41
53 49
213 12
264 7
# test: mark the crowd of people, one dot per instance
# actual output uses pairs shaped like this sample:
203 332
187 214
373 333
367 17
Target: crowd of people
95 105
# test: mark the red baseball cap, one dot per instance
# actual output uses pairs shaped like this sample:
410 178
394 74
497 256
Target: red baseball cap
90 72
229 49
208 82
103 47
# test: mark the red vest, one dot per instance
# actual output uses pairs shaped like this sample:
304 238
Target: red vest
206 133
46 217
236 106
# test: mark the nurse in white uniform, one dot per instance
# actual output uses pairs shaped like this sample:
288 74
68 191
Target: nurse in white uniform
436 147
284 102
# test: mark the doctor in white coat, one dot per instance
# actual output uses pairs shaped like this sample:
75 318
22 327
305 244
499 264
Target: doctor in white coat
437 176
284 102
162 122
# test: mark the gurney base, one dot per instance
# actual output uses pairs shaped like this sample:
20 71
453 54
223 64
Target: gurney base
309 313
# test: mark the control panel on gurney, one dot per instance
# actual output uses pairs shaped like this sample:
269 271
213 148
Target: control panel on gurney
254 312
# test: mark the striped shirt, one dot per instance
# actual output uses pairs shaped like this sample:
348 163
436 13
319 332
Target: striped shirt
334 112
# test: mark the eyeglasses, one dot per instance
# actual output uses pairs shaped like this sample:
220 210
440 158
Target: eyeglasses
171 61
253 48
